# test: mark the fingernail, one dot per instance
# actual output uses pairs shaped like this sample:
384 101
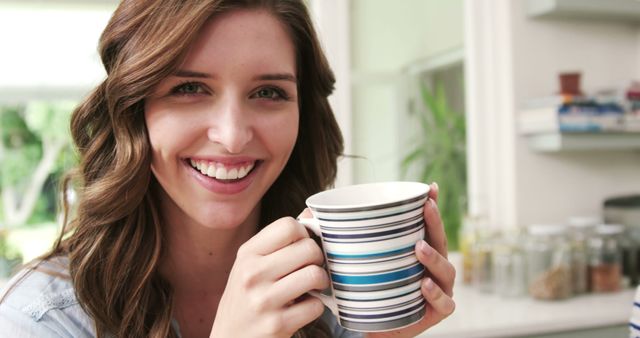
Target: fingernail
425 248
435 185
428 284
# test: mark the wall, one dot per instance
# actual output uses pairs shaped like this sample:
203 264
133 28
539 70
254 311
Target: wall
385 40
550 187
49 50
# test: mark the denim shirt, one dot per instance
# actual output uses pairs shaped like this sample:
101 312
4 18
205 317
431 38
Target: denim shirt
42 304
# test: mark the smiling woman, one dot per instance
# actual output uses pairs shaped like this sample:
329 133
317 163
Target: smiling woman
187 149
210 130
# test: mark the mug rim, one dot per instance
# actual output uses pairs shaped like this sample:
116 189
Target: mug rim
418 191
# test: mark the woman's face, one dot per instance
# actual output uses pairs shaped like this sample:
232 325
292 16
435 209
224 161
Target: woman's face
223 126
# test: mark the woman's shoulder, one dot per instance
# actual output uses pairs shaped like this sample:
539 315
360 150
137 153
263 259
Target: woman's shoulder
40 300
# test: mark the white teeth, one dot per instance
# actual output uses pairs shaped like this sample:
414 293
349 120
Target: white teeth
232 174
211 171
221 173
218 170
242 172
249 167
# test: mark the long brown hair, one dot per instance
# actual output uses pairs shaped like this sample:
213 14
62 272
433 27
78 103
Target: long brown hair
115 239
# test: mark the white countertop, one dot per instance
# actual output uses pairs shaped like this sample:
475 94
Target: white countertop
486 315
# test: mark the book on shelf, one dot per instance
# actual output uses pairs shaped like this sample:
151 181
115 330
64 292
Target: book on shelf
572 117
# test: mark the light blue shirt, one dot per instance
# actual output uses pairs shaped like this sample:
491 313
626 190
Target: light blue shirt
42 304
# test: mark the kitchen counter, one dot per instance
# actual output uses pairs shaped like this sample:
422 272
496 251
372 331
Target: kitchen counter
486 315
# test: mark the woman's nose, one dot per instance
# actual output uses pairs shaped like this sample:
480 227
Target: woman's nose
232 127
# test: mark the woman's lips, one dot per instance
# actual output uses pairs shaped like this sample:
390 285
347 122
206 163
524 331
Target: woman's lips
227 185
222 171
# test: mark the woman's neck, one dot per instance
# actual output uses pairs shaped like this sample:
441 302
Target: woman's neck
197 261
198 256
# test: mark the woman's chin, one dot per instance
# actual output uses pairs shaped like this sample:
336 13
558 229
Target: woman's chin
224 221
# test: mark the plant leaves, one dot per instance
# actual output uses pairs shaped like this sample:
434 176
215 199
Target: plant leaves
441 156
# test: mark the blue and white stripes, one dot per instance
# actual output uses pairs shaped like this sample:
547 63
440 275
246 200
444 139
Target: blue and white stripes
371 261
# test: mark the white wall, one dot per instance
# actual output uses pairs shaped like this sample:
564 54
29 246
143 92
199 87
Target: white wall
389 35
552 187
47 49
386 38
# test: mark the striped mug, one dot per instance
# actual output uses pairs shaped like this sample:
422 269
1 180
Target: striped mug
368 234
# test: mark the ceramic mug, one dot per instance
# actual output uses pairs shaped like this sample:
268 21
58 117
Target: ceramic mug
368 235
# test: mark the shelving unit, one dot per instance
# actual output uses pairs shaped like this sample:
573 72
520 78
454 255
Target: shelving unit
618 10
556 142
623 12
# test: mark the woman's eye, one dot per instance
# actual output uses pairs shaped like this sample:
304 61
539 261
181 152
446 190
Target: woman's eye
189 88
271 94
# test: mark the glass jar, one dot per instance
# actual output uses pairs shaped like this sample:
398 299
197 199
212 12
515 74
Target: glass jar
482 274
580 230
548 262
509 267
605 258
467 239
631 254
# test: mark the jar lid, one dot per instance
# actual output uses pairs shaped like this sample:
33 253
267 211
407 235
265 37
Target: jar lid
610 229
547 229
584 221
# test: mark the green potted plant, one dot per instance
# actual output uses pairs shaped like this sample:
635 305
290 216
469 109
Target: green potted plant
439 154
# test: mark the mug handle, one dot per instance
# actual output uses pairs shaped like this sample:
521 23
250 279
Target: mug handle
313 225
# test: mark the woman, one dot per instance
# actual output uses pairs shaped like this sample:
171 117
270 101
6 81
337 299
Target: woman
211 127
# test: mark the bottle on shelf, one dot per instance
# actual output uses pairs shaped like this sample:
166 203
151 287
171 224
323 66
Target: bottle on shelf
509 266
605 258
580 230
548 262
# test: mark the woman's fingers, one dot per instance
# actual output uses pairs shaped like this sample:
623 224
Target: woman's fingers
438 300
275 236
439 268
293 257
434 191
297 283
434 227
301 313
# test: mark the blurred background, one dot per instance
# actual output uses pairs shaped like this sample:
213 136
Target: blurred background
526 113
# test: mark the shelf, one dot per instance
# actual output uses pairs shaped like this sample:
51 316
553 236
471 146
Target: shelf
618 10
553 142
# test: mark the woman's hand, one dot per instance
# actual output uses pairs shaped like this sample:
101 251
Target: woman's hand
271 273
437 285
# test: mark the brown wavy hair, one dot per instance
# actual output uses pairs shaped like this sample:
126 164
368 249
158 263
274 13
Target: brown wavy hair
115 240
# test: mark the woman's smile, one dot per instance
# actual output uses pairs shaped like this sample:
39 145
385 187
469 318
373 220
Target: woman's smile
222 172
230 177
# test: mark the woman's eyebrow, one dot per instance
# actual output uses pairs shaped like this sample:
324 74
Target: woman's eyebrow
277 77
263 77
191 73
